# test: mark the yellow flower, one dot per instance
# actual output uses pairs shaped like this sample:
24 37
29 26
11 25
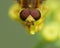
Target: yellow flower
53 5
50 32
14 11
57 16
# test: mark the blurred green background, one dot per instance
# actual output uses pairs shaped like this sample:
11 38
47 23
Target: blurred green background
14 35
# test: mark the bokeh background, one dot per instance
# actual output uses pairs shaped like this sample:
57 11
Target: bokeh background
14 35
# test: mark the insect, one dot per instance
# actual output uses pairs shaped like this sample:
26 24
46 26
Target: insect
29 13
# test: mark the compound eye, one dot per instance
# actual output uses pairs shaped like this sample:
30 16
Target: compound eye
24 14
36 14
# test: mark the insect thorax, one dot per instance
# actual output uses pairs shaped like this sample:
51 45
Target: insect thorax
30 3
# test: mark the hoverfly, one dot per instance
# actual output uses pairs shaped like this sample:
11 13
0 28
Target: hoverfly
29 13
